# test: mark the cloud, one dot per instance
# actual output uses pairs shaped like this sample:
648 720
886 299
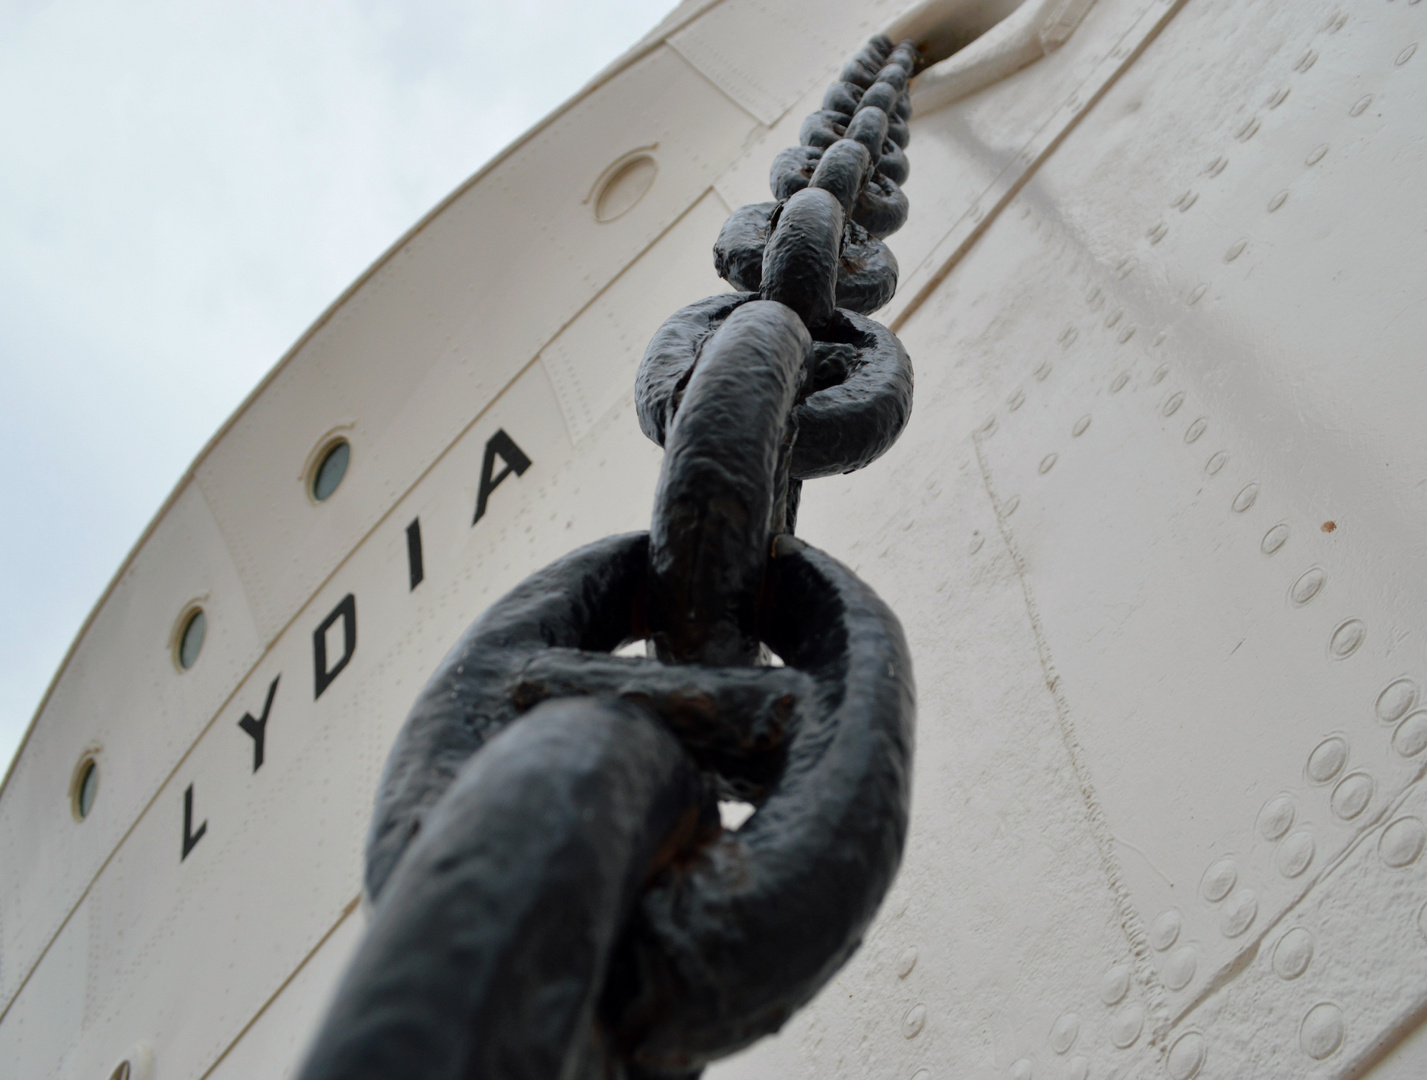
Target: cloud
183 189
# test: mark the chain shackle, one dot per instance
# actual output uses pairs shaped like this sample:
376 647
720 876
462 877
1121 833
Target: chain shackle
552 893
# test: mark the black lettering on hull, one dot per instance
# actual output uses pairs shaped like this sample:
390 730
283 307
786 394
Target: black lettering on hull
190 838
258 729
413 552
513 459
322 674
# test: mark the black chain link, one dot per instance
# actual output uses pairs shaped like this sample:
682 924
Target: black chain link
556 898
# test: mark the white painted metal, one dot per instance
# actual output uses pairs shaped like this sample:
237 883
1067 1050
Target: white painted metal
1162 287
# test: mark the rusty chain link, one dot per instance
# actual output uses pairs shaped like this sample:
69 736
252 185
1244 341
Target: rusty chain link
556 898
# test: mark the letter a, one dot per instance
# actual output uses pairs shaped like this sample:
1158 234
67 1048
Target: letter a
514 460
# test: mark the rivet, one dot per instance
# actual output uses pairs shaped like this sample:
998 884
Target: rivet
1125 1028
1346 638
1278 98
914 1021
1218 880
1238 913
1215 463
1316 154
1172 404
1274 539
1245 133
1081 425
1217 165
1119 382
1401 842
1276 818
1322 1031
906 962
1016 400
1245 498
1406 54
1278 200
1064 1032
1186 1056
1410 738
1327 759
1164 931
1395 700
1360 106
1048 462
1011 504
1115 985
1156 233
1352 795
1293 954
1196 429
1296 854
1197 293
1306 61
1235 251
1158 376
1309 584
1179 967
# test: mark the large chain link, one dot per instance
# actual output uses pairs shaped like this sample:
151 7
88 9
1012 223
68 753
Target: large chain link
555 898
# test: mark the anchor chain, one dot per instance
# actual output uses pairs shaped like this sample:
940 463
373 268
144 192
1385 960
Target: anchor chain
552 893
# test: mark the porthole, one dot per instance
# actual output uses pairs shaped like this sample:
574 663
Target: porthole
623 184
83 787
192 627
330 468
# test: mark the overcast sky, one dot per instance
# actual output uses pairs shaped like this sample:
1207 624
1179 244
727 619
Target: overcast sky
184 187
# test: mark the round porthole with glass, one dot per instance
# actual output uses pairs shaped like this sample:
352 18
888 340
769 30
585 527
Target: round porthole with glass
84 787
331 466
188 643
